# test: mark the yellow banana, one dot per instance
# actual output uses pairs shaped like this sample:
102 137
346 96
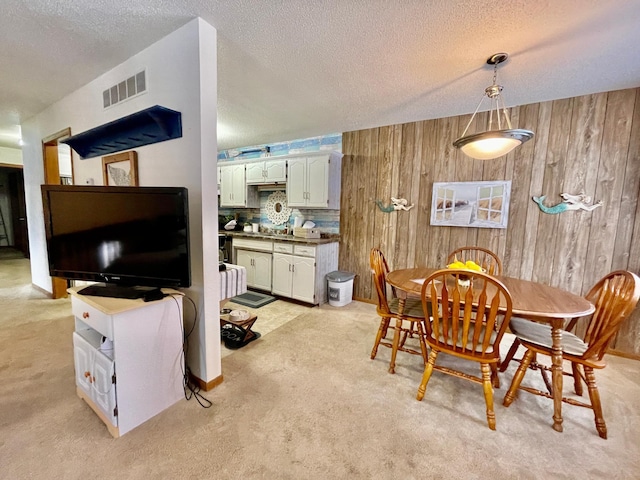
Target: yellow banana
471 265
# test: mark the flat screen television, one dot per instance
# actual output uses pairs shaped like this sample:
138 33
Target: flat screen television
133 239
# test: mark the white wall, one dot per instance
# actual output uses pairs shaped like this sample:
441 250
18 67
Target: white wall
182 76
11 156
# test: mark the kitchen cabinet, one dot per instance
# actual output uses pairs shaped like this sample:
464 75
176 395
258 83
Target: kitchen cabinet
287 268
127 356
233 187
314 181
299 270
258 266
294 277
268 171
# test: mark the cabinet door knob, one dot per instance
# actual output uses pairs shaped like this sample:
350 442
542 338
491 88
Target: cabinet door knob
85 314
87 374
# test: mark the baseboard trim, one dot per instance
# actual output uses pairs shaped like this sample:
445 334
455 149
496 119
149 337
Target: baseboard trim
365 300
618 353
42 290
206 386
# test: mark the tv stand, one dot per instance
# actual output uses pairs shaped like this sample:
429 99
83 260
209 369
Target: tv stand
128 356
120 291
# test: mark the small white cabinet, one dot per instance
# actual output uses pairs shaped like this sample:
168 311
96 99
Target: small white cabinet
269 171
258 266
314 181
128 357
233 187
294 277
95 371
299 270
255 256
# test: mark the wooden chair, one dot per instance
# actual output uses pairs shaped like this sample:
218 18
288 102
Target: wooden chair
388 308
614 296
483 257
468 325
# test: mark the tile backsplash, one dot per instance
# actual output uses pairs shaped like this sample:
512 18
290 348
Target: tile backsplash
327 221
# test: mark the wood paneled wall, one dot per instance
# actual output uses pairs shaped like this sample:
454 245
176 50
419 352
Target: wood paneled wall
589 143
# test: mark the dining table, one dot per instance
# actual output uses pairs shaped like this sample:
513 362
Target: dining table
531 300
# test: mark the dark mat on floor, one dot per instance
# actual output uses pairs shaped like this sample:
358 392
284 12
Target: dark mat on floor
253 299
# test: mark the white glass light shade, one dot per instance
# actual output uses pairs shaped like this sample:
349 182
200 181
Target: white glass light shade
493 143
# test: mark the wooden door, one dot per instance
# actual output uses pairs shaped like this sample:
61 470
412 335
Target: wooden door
52 177
18 211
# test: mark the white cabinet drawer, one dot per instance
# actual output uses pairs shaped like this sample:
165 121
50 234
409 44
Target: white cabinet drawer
283 247
249 244
306 250
93 317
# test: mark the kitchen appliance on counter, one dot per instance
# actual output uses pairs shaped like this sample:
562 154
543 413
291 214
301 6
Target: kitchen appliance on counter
224 248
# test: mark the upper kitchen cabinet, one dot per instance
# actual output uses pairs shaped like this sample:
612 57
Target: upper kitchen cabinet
233 187
269 171
314 181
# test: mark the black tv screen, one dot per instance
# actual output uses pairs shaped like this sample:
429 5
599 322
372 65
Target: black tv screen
130 236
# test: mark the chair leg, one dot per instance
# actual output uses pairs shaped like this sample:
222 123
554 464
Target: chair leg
488 394
423 345
428 370
495 379
517 378
577 379
594 396
394 346
404 335
382 332
510 355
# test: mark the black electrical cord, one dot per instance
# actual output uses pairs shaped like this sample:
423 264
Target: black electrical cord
190 390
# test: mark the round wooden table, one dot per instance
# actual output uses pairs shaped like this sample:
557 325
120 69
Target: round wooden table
530 300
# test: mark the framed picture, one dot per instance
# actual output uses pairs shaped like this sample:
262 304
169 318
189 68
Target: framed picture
471 204
120 169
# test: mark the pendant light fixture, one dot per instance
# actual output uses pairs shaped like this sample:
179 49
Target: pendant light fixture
496 142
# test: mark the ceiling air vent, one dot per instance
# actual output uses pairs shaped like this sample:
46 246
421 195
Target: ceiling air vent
128 88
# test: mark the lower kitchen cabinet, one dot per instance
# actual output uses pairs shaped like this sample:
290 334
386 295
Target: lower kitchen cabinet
258 266
294 277
286 267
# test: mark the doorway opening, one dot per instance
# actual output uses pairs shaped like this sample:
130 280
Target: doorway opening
58 170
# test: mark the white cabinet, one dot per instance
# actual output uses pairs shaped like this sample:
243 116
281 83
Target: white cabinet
95 371
269 171
287 268
294 277
314 181
301 273
128 357
258 266
233 187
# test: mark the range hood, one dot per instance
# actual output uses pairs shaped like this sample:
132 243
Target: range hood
152 125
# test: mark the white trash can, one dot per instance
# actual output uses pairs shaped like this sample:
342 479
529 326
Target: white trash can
340 288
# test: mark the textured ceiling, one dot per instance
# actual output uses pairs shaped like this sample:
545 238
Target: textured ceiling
295 68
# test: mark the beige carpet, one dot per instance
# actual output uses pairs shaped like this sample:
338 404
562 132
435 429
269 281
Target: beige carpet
304 401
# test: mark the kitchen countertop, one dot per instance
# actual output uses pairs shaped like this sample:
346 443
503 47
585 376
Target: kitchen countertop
282 238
